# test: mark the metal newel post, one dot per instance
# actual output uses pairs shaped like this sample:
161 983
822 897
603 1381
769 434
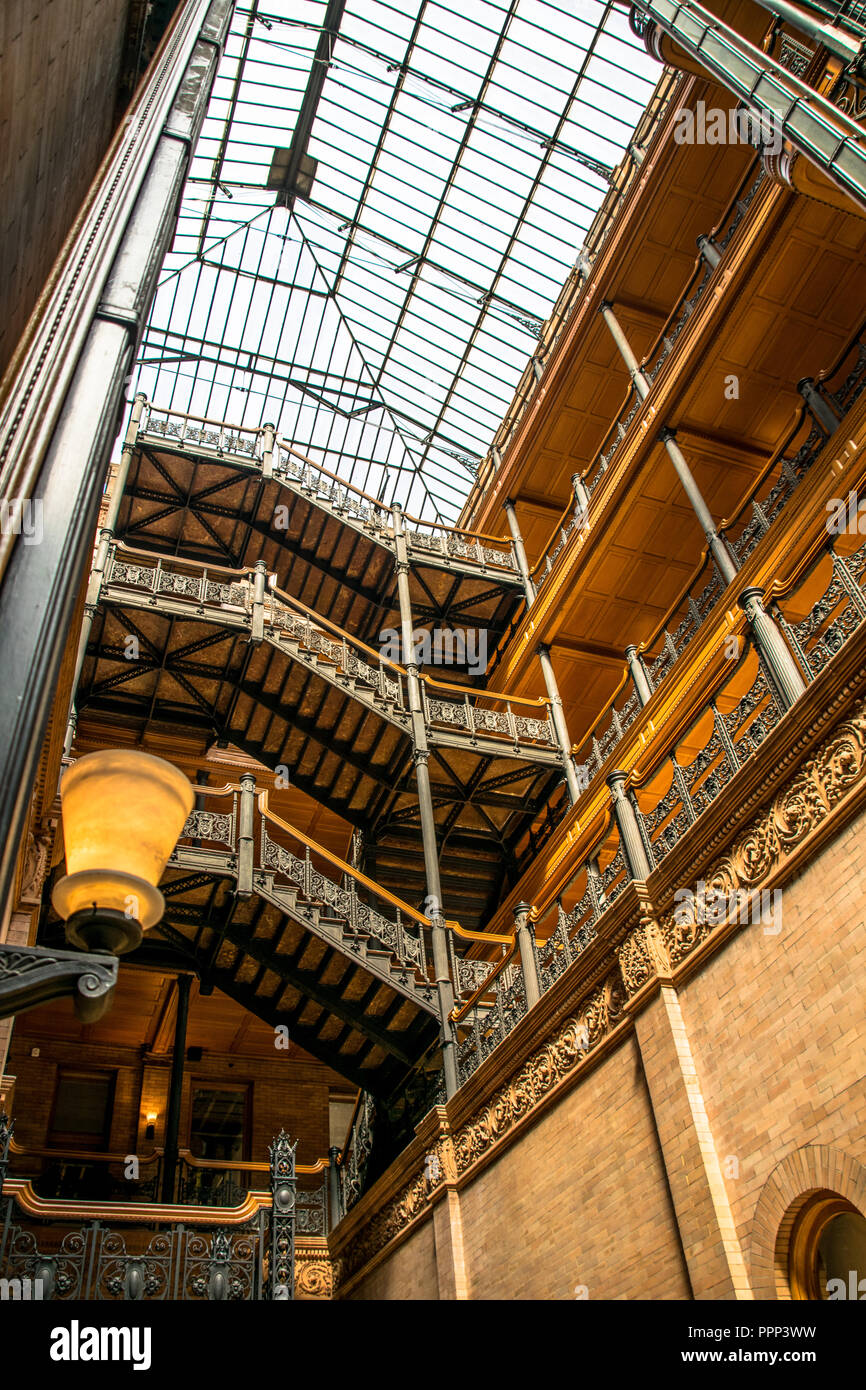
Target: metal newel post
819 406
638 675
246 839
641 384
520 553
526 947
334 1205
629 831
268 437
172 1125
281 1275
420 754
779 660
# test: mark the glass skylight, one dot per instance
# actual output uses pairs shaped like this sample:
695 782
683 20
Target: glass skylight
383 321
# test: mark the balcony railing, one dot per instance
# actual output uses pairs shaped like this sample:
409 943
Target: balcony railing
818 615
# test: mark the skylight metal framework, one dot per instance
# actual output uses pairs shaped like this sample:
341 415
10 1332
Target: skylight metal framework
382 322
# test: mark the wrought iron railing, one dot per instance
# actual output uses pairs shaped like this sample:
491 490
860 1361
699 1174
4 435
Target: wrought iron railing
213 592
232 443
355 1155
819 614
129 1251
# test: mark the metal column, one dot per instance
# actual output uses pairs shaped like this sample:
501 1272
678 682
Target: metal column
62 408
420 755
172 1123
543 652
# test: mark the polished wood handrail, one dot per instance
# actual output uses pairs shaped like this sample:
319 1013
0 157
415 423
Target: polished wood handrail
197 566
82 1155
452 925
245 1165
467 690
280 441
135 1213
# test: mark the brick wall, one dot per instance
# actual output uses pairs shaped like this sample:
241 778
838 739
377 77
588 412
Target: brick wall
59 68
649 1177
777 1027
288 1093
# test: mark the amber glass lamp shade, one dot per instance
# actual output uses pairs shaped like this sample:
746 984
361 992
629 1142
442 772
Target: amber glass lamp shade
122 814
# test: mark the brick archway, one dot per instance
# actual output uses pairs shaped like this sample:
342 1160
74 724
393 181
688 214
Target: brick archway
813 1168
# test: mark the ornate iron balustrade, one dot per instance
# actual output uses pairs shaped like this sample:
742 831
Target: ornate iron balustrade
355 1157
360 918
728 730
242 445
118 1257
185 431
785 471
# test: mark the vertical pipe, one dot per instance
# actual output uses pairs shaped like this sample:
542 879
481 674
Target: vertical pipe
420 755
172 1124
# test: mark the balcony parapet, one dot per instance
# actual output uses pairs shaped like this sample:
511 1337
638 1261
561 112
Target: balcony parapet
806 780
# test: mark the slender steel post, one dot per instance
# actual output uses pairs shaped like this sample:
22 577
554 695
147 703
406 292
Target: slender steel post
629 831
334 1212
269 435
641 383
526 949
520 553
257 618
420 755
581 497
246 838
560 727
543 651
638 675
778 657
172 1123
720 553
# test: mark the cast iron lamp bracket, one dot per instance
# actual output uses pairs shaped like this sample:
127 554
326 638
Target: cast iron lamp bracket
33 975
